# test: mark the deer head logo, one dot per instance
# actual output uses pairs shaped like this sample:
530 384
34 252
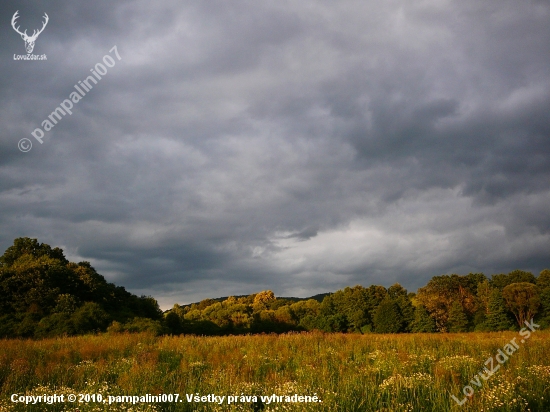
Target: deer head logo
29 40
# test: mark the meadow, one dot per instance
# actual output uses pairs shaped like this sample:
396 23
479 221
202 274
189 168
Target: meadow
348 372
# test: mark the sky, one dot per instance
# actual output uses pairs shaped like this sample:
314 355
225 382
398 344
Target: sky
297 146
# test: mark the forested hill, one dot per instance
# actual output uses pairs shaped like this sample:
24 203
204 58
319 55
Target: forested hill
207 302
43 294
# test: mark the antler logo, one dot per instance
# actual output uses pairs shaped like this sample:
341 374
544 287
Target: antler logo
29 40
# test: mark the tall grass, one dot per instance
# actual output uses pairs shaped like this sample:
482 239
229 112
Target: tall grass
417 372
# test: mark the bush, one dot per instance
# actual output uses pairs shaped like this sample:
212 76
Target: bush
137 325
90 318
57 324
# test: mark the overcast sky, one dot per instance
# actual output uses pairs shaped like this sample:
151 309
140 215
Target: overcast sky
298 146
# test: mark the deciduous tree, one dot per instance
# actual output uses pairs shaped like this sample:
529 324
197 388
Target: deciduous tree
497 318
522 299
387 317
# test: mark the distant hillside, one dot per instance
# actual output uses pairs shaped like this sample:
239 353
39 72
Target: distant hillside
319 298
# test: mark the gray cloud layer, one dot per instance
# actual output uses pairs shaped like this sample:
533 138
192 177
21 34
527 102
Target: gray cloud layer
296 146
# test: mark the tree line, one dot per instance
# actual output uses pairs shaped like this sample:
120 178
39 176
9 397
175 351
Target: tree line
448 303
43 295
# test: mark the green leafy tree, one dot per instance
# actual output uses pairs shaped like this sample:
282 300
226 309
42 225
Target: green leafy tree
484 291
303 308
483 295
28 283
375 295
240 314
388 317
263 299
458 321
423 322
56 324
8 326
26 246
442 292
308 322
543 281
543 285
27 325
66 303
283 315
497 318
353 303
173 323
406 308
355 307
516 276
90 317
545 308
332 323
203 304
147 307
522 299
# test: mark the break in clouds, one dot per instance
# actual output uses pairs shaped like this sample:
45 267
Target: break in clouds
294 146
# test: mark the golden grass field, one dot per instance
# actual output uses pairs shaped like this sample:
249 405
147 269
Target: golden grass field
348 372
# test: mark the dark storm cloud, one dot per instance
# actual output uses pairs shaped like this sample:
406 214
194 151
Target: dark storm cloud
300 147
